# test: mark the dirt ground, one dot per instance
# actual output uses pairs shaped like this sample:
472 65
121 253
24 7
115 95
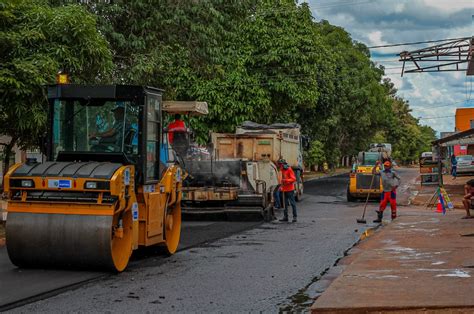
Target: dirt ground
454 188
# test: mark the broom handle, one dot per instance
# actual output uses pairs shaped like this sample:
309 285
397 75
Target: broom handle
368 195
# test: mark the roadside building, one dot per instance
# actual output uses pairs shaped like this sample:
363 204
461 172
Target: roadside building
450 149
464 121
464 138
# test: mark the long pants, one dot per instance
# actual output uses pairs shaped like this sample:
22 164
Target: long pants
454 171
389 197
290 199
277 198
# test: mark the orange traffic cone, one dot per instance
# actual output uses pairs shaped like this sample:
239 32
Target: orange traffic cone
439 207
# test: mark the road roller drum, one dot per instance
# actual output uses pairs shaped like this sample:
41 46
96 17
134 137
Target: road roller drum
57 240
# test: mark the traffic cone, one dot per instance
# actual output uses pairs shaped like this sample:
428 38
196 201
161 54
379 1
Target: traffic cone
439 207
443 203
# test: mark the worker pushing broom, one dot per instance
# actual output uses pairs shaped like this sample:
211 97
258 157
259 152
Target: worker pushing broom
390 182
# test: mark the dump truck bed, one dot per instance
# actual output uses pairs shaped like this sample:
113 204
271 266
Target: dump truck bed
267 145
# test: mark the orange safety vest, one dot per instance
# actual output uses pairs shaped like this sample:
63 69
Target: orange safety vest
288 180
176 125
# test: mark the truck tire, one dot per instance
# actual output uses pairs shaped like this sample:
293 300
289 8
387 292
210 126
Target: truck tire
299 187
350 198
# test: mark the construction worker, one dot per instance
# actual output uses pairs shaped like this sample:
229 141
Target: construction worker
278 193
115 134
288 180
177 125
390 182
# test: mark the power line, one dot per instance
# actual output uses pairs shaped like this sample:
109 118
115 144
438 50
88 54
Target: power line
433 118
440 106
417 43
392 68
450 116
385 61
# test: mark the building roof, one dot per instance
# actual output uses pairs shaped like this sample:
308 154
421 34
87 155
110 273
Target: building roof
461 138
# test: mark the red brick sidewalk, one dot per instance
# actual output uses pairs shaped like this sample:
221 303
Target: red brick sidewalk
421 262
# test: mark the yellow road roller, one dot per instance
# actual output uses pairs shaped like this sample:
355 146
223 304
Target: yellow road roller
362 182
107 186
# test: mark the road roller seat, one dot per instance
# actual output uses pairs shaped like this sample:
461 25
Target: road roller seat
181 143
128 144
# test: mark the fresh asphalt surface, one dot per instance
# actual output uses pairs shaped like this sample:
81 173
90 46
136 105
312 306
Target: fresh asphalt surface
20 285
267 267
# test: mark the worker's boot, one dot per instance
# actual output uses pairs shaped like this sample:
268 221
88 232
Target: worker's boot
294 219
379 217
284 219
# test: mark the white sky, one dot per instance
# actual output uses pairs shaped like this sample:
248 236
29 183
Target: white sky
379 22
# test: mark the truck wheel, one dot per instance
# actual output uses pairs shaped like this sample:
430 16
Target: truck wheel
299 188
350 198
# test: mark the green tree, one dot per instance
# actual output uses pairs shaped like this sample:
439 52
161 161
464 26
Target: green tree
352 103
36 41
266 61
189 48
409 139
315 155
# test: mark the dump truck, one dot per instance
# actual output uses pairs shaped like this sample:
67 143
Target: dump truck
106 188
384 148
242 174
362 182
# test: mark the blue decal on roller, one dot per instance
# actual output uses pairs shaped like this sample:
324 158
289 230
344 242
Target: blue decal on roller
65 183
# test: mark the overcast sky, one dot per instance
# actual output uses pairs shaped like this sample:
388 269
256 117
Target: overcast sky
378 22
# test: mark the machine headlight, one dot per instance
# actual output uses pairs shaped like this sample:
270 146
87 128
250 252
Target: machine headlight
27 184
97 185
91 185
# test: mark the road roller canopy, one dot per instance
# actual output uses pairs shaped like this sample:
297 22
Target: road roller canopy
116 123
191 108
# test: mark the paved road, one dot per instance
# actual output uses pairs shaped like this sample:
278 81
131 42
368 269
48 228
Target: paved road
20 285
266 268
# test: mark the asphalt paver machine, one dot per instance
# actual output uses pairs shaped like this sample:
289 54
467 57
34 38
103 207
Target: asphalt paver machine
106 188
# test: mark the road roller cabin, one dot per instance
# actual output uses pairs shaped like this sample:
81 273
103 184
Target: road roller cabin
107 186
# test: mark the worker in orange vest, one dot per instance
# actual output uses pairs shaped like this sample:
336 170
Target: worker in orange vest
288 180
277 195
177 125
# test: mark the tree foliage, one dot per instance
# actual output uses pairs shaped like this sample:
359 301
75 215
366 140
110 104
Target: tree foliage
408 137
315 155
37 40
266 61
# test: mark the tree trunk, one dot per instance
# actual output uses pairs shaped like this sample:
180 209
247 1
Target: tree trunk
7 151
